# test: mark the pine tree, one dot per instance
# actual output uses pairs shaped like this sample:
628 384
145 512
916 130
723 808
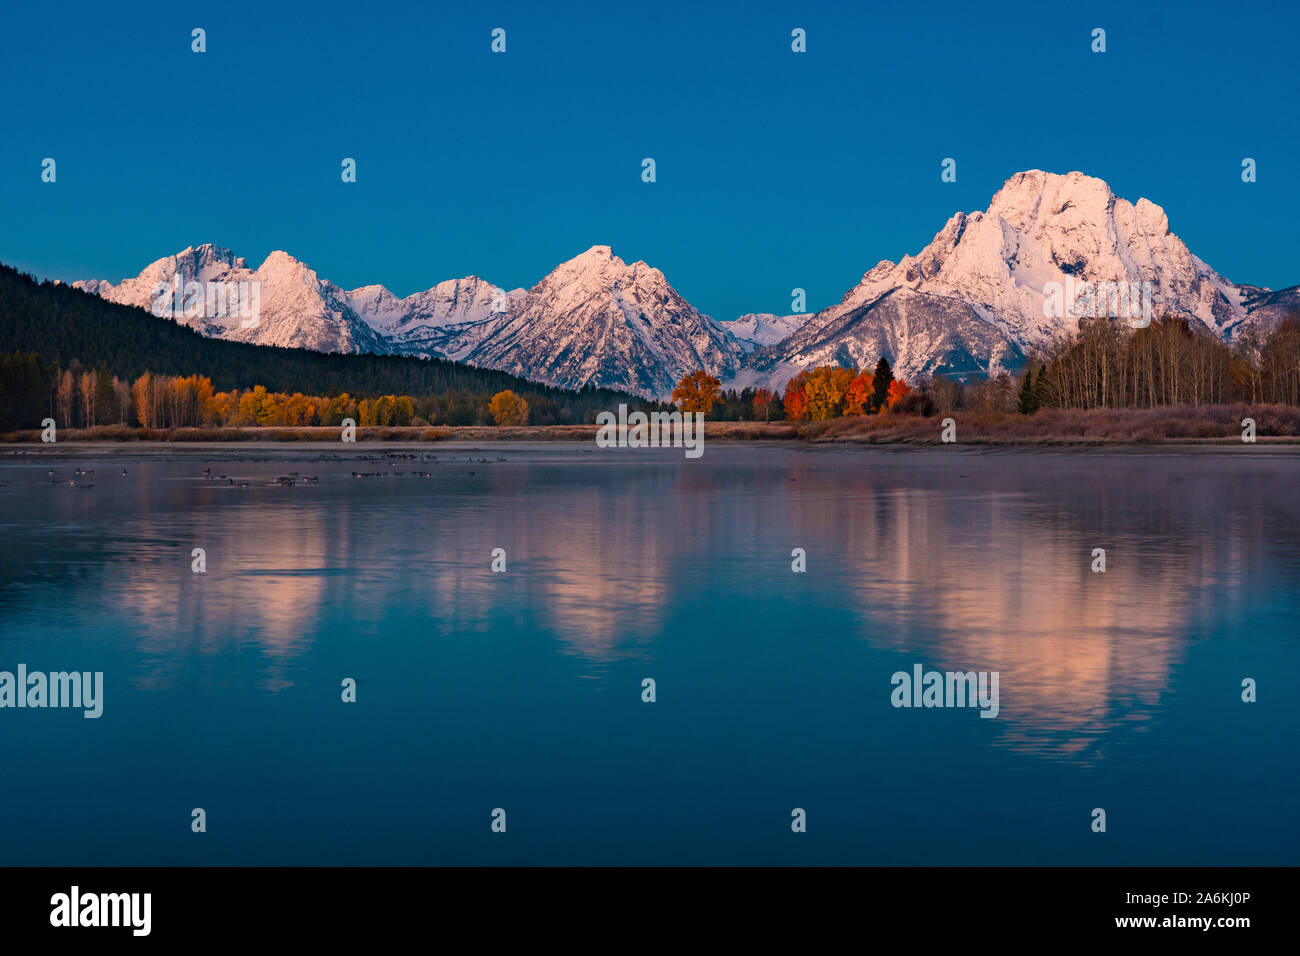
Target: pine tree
880 382
1025 401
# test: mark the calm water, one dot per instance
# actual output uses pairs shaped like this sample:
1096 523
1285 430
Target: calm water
522 690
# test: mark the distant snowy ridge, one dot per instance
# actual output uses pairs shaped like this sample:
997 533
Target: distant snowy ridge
594 320
970 303
757 329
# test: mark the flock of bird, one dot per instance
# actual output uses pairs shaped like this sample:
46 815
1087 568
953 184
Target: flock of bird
78 479
412 457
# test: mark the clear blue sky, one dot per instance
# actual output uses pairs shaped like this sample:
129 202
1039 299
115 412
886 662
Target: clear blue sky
775 169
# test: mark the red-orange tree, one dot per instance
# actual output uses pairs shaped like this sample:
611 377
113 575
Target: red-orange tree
796 399
898 390
858 398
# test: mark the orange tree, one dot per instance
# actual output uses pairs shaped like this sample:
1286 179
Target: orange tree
507 408
825 389
697 392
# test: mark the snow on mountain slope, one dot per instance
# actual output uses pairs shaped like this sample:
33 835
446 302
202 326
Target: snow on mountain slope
295 307
756 329
594 320
598 320
200 264
973 300
448 320
919 333
1265 308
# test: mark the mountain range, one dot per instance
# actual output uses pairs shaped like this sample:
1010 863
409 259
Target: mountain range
970 303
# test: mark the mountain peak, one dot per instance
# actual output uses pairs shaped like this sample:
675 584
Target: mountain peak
207 250
1039 181
597 268
1079 200
201 258
595 260
279 257
1035 196
596 319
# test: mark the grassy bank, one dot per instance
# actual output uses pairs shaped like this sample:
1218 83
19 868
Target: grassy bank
1123 426
1181 425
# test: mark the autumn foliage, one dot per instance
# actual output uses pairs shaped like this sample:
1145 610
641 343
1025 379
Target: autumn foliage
697 392
796 400
507 408
859 395
171 401
765 403
830 391
898 390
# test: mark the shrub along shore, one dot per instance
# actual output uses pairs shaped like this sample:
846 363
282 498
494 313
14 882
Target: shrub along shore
1205 424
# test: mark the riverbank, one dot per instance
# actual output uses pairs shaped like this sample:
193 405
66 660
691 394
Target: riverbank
1219 424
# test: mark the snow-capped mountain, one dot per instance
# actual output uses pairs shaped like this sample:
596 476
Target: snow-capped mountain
598 320
448 320
973 299
594 320
297 308
294 307
971 302
756 329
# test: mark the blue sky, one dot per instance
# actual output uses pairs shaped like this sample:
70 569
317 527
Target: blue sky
775 169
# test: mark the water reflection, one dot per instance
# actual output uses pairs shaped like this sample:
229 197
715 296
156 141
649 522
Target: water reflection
961 561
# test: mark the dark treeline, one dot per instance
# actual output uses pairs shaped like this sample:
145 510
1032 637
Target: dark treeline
740 406
65 329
